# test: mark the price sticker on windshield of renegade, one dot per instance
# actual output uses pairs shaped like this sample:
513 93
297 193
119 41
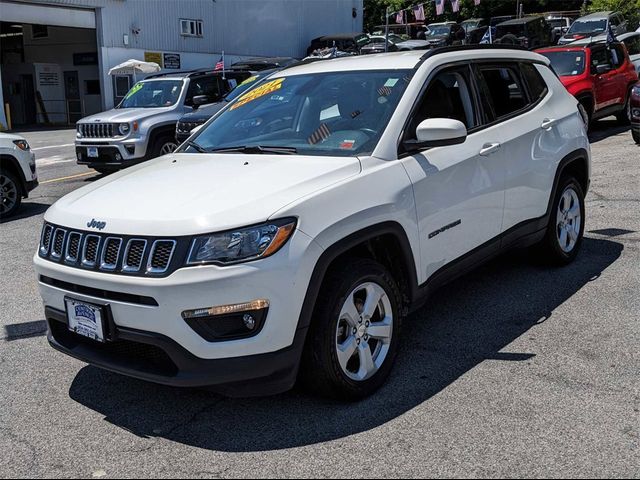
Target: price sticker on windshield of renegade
85 319
258 92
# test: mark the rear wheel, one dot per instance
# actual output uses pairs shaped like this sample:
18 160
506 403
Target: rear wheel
624 116
636 136
10 194
353 339
566 224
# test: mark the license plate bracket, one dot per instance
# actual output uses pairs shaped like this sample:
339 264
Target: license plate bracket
87 319
92 152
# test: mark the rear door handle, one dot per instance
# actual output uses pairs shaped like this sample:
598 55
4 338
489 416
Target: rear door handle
489 148
548 123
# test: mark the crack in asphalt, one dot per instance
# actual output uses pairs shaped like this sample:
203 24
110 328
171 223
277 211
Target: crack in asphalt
31 448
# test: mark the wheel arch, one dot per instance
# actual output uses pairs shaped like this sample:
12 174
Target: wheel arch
158 131
386 243
11 164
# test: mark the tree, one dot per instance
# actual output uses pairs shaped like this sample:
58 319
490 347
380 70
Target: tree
629 8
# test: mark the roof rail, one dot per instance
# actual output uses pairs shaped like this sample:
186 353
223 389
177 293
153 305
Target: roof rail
461 48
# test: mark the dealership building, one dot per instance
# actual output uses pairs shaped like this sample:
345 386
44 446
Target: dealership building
55 55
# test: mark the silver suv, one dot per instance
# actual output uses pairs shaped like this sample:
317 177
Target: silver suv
143 125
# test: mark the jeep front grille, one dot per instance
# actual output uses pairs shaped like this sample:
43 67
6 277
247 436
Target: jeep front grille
112 253
98 130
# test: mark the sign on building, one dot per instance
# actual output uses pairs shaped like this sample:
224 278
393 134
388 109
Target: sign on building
155 57
172 61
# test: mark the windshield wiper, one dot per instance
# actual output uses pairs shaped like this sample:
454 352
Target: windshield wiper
197 147
255 149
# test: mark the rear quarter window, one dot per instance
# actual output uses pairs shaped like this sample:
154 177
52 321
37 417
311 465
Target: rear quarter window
535 83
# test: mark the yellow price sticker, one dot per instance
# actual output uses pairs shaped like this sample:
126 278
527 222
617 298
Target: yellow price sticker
134 90
261 91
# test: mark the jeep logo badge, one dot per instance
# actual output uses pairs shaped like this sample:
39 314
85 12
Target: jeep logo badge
95 224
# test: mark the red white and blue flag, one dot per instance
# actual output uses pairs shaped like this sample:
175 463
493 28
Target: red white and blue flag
439 7
220 64
455 4
400 17
477 2
418 12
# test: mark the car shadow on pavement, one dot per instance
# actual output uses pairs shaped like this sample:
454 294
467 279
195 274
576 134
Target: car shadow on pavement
603 129
27 210
465 323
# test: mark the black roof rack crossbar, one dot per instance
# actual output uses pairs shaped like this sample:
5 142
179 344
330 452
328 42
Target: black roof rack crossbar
461 48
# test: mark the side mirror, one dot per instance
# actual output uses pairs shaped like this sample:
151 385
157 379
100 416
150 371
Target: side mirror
603 68
200 100
437 132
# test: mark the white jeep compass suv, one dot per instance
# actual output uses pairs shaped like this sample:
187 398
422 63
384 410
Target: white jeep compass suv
291 235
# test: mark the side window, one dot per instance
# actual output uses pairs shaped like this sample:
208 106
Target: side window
535 83
598 57
448 95
617 56
633 45
203 86
504 90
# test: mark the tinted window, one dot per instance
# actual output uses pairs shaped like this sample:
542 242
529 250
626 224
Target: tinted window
448 95
599 57
633 45
208 86
504 91
535 82
617 55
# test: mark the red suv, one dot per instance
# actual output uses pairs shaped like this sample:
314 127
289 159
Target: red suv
635 113
600 76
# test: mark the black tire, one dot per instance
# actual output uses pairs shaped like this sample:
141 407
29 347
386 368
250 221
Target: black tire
624 116
105 171
321 372
588 110
550 249
636 136
160 143
11 194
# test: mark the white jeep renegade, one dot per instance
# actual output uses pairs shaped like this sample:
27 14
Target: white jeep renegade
290 236
18 174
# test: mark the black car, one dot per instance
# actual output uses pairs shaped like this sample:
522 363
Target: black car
528 32
263 63
377 44
200 116
475 28
345 42
443 34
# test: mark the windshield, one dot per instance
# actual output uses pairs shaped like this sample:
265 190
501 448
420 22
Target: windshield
470 25
243 87
152 94
329 114
557 22
362 40
437 30
590 26
566 64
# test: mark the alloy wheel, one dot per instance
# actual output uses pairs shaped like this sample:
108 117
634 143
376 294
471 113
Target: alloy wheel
364 331
568 220
8 194
168 148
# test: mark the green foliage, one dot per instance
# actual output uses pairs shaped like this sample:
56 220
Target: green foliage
629 8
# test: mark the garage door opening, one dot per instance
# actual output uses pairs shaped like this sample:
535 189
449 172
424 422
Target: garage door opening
50 74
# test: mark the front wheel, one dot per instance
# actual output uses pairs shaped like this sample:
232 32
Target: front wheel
636 136
353 339
10 194
566 224
164 146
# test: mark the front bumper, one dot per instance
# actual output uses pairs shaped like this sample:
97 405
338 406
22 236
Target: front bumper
111 154
156 358
282 279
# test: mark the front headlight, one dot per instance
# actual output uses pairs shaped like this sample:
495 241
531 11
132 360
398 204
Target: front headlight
21 144
241 245
124 128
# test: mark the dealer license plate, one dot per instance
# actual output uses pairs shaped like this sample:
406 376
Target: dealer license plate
86 319
92 152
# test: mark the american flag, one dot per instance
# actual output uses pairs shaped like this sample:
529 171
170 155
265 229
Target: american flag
418 12
220 64
439 7
477 2
400 17
455 5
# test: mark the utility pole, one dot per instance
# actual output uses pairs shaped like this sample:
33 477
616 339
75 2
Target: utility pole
386 31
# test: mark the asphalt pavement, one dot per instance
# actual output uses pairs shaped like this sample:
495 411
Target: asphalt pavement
515 370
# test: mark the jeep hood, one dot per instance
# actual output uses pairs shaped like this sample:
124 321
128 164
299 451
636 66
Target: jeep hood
185 194
117 115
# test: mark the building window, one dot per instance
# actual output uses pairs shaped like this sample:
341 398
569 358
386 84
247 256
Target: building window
92 87
191 28
39 31
122 85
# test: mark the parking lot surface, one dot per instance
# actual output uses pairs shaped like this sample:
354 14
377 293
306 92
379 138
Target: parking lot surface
517 369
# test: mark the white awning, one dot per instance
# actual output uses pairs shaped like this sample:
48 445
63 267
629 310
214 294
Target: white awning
132 67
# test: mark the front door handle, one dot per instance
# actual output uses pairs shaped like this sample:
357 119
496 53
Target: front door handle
489 148
548 123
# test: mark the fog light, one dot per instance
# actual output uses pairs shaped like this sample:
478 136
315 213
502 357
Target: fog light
79 155
118 157
228 322
636 112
